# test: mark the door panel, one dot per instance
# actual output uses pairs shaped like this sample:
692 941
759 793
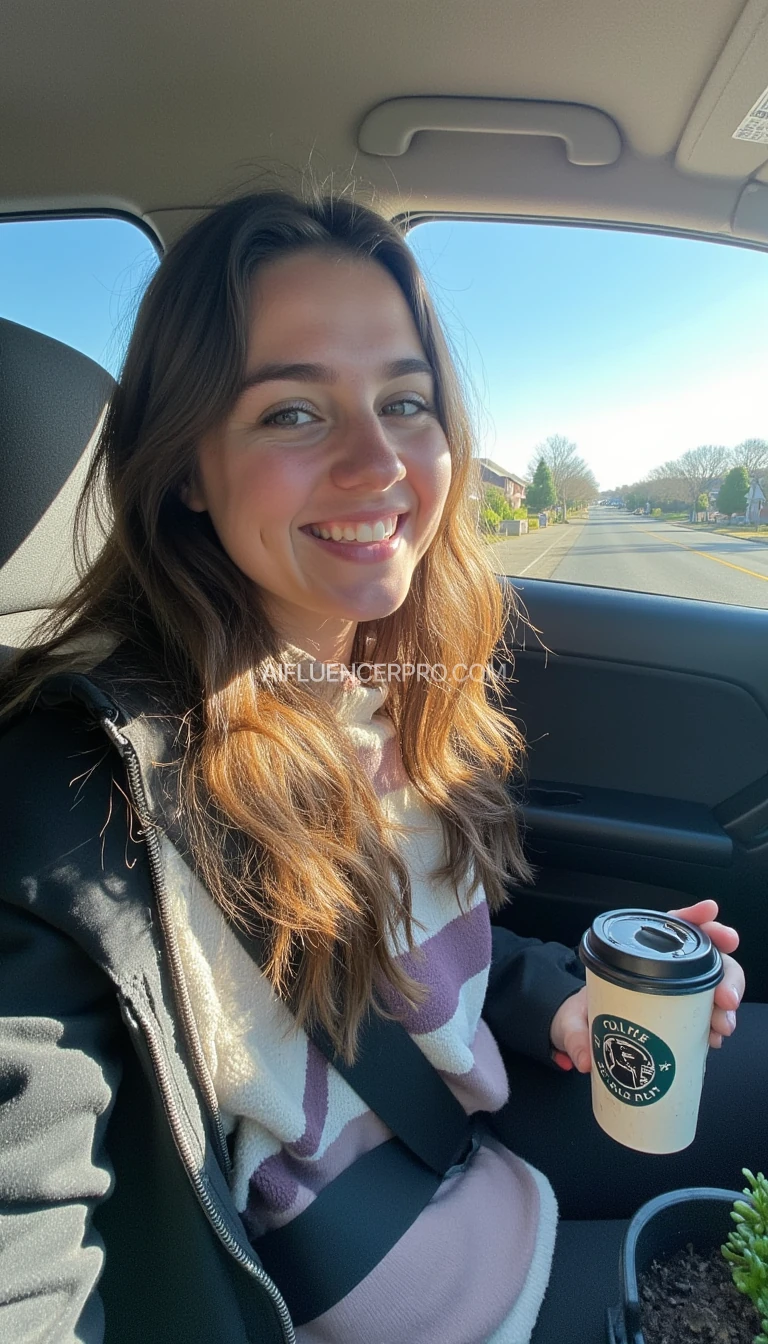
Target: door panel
647 773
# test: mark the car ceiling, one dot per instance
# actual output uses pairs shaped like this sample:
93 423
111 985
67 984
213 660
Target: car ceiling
161 108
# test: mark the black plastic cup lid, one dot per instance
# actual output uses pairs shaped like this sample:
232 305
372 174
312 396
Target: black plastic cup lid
651 952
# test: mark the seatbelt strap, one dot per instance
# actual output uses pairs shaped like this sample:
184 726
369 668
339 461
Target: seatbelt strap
326 1250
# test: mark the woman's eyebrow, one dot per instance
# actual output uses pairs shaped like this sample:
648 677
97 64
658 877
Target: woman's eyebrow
320 373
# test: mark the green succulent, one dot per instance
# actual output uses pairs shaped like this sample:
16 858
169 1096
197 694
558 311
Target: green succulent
747 1247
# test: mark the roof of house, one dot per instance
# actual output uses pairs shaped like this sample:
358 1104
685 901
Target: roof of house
502 471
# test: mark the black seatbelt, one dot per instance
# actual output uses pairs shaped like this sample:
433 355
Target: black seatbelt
355 1220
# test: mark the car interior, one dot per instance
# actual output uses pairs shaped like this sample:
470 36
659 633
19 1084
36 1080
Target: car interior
646 715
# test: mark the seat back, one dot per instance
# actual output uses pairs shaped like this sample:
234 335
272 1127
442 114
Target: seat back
52 403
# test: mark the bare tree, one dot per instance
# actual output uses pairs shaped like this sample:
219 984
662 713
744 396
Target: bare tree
752 454
696 471
573 479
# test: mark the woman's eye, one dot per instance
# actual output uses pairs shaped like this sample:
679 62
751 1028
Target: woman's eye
289 417
405 406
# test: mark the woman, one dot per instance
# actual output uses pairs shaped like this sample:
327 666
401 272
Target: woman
229 840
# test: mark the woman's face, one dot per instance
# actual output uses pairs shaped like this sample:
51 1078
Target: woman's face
326 484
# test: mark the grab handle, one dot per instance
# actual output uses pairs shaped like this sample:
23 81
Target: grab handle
591 138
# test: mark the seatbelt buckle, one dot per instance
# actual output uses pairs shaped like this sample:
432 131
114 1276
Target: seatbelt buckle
468 1148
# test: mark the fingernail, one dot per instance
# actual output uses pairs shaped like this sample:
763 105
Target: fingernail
582 1061
731 1020
735 995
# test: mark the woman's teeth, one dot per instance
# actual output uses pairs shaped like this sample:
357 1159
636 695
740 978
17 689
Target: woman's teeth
360 532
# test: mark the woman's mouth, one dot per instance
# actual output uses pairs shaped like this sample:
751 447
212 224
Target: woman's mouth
374 540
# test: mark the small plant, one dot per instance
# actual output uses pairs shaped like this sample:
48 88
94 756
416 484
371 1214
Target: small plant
747 1247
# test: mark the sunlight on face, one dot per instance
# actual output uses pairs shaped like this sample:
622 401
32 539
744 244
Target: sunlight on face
334 432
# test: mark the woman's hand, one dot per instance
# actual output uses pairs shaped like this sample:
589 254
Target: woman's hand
569 1032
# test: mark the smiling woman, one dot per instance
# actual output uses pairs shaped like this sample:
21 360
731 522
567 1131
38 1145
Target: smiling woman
317 456
321 855
283 884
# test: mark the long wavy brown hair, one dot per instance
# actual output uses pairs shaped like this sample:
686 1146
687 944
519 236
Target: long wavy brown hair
284 827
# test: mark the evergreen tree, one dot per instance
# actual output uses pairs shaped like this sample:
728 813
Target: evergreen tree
732 495
541 494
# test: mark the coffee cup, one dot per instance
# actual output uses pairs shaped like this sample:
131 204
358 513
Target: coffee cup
651 982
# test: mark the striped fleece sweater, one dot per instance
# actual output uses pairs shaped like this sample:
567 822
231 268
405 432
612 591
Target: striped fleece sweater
473 1267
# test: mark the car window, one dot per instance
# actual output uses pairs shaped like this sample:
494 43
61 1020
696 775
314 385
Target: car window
79 280
617 384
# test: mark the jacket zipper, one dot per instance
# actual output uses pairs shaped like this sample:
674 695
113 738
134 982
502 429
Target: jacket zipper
156 1055
181 992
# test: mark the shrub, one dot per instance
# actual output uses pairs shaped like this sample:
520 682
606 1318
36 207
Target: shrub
533 524
495 500
655 513
489 521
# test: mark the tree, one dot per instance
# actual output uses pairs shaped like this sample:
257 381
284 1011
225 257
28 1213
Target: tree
573 480
752 454
541 494
732 495
695 472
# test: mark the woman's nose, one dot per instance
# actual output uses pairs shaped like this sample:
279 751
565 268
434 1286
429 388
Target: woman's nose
366 456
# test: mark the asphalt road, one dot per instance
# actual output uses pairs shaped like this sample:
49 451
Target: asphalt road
613 549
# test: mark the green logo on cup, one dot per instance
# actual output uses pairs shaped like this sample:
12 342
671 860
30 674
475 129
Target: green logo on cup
636 1066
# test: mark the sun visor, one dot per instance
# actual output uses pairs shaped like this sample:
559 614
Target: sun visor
727 133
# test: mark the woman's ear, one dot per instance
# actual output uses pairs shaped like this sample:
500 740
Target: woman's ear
191 494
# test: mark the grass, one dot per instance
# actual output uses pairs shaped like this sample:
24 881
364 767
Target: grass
754 534
757 533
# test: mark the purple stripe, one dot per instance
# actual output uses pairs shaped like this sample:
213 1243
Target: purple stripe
315 1102
270 1188
273 1187
283 1184
460 950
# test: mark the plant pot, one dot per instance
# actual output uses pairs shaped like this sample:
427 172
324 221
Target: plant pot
658 1230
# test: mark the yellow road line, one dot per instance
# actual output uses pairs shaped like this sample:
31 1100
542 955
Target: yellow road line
707 556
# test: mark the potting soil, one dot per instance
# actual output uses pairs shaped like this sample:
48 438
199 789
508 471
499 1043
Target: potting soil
692 1297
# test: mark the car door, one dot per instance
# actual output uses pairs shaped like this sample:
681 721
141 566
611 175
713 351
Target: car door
639 667
647 773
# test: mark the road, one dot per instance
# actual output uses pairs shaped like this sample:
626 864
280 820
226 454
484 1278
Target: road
613 549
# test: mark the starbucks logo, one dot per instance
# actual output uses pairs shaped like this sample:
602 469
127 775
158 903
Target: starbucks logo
636 1066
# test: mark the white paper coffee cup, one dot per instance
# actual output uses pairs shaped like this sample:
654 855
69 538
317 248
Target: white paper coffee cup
651 982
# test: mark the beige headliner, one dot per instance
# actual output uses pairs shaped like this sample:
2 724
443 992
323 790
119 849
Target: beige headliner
158 108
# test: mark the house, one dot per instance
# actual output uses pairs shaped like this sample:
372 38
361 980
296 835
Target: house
514 487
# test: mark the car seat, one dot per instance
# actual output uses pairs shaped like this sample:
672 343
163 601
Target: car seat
52 403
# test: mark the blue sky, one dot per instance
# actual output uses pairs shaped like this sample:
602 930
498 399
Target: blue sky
78 280
635 346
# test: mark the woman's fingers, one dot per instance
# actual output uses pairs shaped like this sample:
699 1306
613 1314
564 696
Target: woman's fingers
704 913
730 991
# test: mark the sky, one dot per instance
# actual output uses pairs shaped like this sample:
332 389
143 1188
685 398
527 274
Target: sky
635 346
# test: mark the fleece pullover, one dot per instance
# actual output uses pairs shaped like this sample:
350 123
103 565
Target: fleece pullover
473 1267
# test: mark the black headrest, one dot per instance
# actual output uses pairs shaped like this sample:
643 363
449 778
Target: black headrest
51 402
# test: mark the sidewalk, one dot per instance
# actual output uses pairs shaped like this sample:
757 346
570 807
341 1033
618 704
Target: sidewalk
536 555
